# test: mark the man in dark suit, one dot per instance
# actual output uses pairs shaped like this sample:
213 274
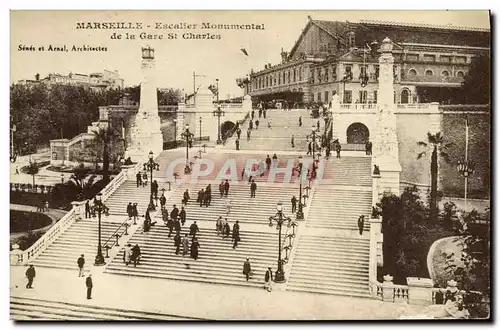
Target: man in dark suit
361 224
81 263
253 189
294 204
87 209
30 275
89 284
226 188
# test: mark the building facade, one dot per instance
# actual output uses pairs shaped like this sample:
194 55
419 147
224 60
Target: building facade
99 80
342 57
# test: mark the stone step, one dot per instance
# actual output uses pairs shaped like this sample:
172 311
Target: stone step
339 291
51 310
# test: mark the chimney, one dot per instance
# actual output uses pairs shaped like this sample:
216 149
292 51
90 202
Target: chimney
37 77
269 65
284 56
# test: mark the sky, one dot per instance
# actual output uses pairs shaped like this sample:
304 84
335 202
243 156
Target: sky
177 59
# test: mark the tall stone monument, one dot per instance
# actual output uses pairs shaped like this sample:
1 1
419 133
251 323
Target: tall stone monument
146 134
385 143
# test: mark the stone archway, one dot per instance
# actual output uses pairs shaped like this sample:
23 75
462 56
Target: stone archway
405 96
227 129
357 133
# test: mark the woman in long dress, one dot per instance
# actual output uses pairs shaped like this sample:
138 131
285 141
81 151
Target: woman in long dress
194 248
185 245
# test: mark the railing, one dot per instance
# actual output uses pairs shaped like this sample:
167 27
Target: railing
358 106
400 292
78 138
113 185
376 289
23 257
414 105
116 235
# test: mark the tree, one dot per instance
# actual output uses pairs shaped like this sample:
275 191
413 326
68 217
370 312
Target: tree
476 86
104 139
435 144
33 169
169 96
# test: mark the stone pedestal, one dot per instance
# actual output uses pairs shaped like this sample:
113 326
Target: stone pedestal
419 291
247 103
388 289
204 107
129 171
79 208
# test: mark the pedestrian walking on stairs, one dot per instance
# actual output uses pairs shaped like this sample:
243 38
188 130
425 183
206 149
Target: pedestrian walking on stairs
81 262
236 234
361 224
253 189
177 242
293 141
247 269
185 245
30 275
338 148
268 279
294 204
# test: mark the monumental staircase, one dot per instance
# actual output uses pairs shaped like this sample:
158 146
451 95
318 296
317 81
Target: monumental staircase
217 263
331 256
278 137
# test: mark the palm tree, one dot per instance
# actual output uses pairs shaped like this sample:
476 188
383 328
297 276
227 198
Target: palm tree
435 144
104 137
32 169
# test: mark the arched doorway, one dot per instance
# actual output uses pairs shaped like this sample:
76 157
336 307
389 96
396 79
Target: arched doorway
357 133
405 96
227 129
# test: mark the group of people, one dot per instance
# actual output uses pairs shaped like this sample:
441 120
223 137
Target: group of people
223 228
268 277
141 179
132 254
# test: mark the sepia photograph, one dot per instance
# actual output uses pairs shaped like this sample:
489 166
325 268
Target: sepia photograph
243 165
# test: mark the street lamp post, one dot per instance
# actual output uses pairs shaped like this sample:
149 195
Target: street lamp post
200 129
175 133
188 136
300 212
217 82
150 166
100 208
466 168
218 113
279 218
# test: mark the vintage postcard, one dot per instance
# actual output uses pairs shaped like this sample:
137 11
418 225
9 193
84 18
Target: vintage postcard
250 165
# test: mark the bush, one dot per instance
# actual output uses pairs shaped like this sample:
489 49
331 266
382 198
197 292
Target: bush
27 240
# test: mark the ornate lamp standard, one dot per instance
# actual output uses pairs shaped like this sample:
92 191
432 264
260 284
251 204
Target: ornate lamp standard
175 133
100 208
466 168
200 129
300 212
150 166
279 218
218 113
188 136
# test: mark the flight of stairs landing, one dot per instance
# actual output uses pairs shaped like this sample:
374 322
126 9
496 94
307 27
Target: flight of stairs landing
80 238
243 208
348 170
217 263
283 125
334 208
29 309
331 265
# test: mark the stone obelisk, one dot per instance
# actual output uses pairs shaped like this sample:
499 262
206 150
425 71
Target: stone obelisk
385 144
146 133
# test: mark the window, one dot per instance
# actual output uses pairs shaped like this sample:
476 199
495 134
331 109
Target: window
374 96
274 80
334 72
348 72
326 96
300 74
412 72
294 74
445 59
312 76
429 73
460 59
429 58
326 74
319 96
363 71
288 74
320 78
460 74
347 96
377 71
363 96
412 57
445 73
279 78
